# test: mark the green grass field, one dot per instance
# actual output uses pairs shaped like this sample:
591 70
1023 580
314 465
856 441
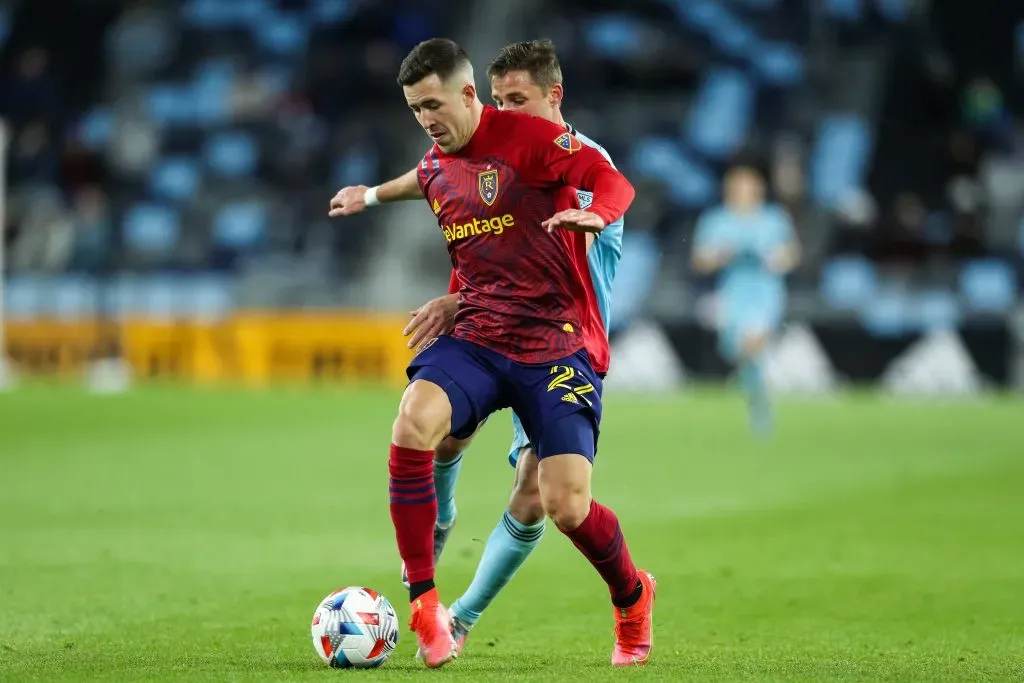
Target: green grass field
172 534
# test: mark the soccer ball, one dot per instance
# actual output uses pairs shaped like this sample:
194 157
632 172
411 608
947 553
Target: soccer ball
355 628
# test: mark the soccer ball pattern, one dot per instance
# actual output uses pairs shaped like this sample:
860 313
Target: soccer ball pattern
355 628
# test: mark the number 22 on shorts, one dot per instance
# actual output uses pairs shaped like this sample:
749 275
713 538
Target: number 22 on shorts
563 374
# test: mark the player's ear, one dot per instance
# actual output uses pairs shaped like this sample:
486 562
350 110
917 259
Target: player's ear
555 94
468 94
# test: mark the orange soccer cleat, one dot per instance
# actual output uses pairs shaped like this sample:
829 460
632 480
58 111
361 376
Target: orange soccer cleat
634 631
431 623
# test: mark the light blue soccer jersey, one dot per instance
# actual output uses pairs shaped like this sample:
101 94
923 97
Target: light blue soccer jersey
751 294
606 251
603 260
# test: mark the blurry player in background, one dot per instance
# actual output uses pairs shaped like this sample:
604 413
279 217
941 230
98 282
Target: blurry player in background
753 243
525 77
490 178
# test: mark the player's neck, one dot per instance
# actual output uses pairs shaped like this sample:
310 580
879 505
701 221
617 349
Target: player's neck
477 109
560 120
744 208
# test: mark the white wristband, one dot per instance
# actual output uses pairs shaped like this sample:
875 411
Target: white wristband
370 198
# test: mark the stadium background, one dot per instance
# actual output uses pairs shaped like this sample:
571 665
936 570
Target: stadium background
170 165
169 168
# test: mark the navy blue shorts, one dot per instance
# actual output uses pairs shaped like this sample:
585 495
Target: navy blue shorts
559 403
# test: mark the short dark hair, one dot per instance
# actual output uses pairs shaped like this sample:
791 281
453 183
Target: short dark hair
435 56
748 161
536 57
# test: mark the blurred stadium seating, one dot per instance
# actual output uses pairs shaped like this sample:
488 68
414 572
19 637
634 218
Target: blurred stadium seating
188 167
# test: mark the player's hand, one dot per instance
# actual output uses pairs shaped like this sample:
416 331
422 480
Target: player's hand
436 317
575 220
349 201
778 261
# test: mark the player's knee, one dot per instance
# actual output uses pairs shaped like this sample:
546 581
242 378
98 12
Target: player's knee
411 430
450 448
753 344
527 507
424 417
565 490
567 508
525 504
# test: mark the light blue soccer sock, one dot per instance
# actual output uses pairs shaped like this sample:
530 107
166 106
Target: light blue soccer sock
507 548
751 377
755 389
445 476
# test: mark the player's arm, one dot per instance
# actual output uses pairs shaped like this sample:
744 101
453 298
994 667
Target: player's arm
356 199
708 260
710 254
784 256
556 157
435 317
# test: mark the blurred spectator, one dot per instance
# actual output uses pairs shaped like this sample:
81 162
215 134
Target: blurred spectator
253 98
355 156
984 112
34 159
141 42
856 220
45 240
135 145
904 237
80 166
93 230
31 92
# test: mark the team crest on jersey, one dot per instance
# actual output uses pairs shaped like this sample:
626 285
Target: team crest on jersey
487 182
585 198
568 142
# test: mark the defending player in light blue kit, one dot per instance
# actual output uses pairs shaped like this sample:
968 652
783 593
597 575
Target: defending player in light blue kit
754 246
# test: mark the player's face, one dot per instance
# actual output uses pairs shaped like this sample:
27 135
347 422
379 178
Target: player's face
516 91
744 188
443 110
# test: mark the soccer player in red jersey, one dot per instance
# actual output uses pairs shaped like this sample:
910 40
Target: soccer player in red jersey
493 179
525 77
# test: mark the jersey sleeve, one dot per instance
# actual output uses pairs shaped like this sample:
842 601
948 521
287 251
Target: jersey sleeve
779 229
708 234
453 283
785 234
611 236
554 156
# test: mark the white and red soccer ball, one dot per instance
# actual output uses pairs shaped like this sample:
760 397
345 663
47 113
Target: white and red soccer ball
355 628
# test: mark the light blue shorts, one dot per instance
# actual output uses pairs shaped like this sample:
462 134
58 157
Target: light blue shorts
519 440
741 320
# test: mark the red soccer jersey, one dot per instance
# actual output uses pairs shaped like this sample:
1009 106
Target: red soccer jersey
595 337
520 285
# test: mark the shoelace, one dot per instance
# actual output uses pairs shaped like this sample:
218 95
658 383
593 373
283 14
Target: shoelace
630 629
428 612
415 618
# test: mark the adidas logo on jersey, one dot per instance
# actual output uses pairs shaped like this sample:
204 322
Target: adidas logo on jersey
570 398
